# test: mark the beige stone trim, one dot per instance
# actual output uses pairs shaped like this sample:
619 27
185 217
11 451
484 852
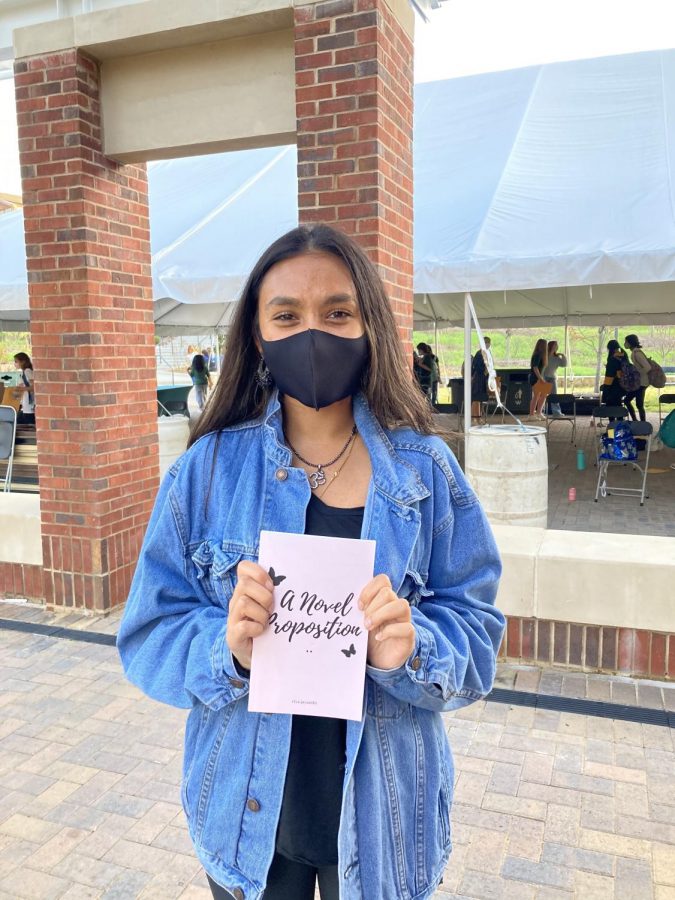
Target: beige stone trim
153 25
20 530
617 580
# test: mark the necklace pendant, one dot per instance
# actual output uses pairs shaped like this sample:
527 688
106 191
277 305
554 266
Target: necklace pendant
316 479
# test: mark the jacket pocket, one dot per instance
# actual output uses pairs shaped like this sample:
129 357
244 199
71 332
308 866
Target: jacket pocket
217 570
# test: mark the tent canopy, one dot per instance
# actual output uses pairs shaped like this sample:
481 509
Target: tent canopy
531 186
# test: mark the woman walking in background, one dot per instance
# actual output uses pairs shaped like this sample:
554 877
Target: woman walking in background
555 361
199 373
26 415
612 392
641 363
538 363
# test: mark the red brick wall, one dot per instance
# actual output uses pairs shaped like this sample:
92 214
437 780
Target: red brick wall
354 78
599 648
87 243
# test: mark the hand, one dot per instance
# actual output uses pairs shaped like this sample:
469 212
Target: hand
250 609
391 633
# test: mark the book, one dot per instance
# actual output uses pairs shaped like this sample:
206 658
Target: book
311 658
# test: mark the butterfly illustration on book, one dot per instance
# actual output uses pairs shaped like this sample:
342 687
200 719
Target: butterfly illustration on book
350 652
276 579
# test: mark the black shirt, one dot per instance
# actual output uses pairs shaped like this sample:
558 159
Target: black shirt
310 810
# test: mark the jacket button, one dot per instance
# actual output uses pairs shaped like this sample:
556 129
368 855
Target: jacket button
281 474
253 805
236 683
238 894
415 664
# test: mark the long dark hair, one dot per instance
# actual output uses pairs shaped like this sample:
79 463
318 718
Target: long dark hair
633 341
198 362
387 381
23 360
541 350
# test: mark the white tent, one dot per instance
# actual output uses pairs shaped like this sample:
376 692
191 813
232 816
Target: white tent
547 192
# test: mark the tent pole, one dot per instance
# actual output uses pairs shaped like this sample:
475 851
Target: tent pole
467 368
566 355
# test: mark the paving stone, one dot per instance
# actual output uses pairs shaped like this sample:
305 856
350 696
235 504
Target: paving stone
591 886
505 778
588 860
664 863
526 837
634 879
29 884
489 887
542 873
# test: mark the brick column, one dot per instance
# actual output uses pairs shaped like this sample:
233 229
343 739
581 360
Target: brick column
88 249
354 101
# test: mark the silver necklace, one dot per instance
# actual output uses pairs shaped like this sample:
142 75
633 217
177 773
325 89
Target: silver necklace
316 479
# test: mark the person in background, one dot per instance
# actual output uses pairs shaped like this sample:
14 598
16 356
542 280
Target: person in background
479 380
26 414
206 353
641 363
424 369
555 361
612 393
201 379
435 374
538 363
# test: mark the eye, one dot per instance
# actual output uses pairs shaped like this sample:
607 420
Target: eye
284 317
339 314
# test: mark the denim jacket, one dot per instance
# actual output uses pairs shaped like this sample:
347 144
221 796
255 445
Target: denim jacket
433 542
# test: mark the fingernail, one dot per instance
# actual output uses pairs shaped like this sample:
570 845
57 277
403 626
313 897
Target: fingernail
270 585
378 636
368 622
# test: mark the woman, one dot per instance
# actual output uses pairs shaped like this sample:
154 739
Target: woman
429 364
479 381
424 369
538 363
24 391
555 361
642 364
315 371
199 373
612 392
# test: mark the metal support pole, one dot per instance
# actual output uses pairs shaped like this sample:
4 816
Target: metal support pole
567 358
467 367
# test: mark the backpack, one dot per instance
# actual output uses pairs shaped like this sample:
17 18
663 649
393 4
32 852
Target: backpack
628 376
619 444
656 375
667 430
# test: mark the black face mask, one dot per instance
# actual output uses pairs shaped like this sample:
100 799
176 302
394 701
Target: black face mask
315 367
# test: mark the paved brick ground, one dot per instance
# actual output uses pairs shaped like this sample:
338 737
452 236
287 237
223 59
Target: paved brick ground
547 805
621 514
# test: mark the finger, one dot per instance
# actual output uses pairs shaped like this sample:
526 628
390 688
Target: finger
249 609
396 611
374 585
254 571
246 630
256 591
383 596
398 631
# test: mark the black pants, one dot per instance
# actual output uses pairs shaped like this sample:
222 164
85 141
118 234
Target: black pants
288 880
639 397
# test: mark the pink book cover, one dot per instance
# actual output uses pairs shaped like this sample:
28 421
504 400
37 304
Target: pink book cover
311 659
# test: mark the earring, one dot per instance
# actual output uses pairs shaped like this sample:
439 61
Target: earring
263 376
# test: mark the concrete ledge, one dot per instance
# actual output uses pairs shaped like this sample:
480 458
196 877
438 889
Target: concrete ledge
617 580
20 531
153 25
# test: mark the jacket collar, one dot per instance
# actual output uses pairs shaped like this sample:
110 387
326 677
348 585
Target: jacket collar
392 476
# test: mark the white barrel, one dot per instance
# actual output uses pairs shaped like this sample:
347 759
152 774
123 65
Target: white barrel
174 432
507 466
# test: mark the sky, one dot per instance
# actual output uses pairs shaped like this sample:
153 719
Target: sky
465 37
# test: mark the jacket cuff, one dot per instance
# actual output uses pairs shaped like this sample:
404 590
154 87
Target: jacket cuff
413 678
233 679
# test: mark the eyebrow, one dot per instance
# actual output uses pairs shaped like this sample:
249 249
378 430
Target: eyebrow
293 301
